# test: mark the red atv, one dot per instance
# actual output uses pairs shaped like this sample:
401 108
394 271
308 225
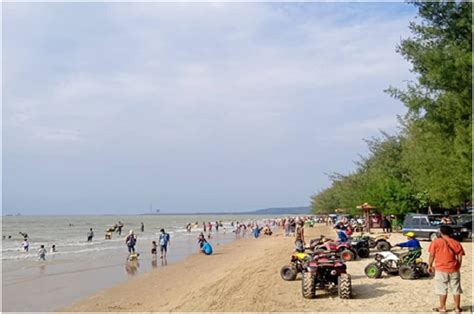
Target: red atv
325 271
324 245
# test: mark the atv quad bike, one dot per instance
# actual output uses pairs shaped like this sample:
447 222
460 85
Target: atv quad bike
325 271
290 271
361 247
324 245
379 242
408 266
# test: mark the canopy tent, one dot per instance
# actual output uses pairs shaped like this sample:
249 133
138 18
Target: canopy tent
366 207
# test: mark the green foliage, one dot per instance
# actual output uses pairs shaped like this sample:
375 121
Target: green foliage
430 161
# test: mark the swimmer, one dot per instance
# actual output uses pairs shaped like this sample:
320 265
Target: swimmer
53 248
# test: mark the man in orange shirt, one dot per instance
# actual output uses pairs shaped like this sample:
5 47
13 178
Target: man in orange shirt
447 254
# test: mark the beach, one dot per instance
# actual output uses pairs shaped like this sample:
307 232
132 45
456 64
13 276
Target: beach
244 276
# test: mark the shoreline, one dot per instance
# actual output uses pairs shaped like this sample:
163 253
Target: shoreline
66 278
244 276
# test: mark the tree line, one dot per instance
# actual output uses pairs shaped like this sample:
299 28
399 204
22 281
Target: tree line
427 164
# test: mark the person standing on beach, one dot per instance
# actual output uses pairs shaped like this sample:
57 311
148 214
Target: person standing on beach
287 227
164 241
142 227
299 239
42 253
131 240
447 255
90 235
204 226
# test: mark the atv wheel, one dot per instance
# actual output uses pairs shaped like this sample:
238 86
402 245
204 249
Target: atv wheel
344 286
383 245
363 252
373 271
433 236
423 267
288 273
308 285
347 255
407 272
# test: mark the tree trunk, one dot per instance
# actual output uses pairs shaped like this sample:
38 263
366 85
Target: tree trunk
430 212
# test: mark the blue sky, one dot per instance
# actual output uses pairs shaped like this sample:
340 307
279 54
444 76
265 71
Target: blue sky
194 107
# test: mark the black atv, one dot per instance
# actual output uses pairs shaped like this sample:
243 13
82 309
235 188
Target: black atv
361 247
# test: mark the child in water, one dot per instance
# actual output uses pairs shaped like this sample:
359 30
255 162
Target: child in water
154 248
42 253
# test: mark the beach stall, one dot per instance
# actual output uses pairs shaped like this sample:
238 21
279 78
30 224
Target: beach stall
366 207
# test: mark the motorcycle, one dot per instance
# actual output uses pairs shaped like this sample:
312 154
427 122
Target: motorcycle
325 271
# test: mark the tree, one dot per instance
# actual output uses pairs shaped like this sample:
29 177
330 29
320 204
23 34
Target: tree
429 163
438 146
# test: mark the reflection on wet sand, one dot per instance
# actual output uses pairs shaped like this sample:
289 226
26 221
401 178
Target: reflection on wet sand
131 267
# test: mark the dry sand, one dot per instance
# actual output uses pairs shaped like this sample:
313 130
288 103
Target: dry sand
244 276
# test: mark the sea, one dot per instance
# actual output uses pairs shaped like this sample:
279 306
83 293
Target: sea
79 268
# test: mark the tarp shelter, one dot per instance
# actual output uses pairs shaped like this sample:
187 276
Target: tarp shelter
366 207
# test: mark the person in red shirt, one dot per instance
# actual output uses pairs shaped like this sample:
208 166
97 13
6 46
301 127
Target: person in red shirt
447 255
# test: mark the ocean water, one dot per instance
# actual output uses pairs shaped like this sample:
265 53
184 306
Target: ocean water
80 268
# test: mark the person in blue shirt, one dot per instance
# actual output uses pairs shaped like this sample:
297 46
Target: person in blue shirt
164 241
342 236
256 231
411 244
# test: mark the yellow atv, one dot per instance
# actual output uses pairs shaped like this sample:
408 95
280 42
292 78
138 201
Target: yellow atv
380 242
290 271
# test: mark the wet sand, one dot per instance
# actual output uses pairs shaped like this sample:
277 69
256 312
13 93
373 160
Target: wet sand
244 276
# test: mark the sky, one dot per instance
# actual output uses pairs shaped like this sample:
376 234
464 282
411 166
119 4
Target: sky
108 107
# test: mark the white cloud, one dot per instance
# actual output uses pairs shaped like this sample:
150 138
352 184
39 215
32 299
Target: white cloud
250 88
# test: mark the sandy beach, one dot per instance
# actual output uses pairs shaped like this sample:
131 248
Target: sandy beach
244 276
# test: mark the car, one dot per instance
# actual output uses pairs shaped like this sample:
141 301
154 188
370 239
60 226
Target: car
427 226
466 221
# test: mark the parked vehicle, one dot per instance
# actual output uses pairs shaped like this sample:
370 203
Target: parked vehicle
290 271
324 245
408 266
325 271
380 242
361 247
466 222
427 226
